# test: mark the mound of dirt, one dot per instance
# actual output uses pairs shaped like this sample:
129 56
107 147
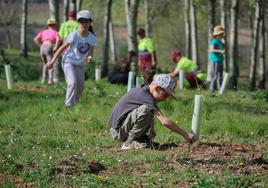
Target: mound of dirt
30 88
74 165
137 170
18 180
214 158
204 157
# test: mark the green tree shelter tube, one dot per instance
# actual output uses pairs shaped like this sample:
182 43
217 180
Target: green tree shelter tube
197 115
224 83
9 77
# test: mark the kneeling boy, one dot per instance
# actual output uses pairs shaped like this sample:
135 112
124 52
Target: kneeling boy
133 116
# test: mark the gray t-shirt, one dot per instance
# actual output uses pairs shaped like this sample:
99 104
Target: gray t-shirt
79 47
130 101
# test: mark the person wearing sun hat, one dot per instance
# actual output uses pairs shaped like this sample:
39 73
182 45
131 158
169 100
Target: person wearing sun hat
78 50
216 56
132 119
47 40
194 77
51 22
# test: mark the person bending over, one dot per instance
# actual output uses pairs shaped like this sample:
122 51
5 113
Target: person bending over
132 119
194 77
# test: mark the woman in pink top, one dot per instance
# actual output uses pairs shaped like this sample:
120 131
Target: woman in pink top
48 40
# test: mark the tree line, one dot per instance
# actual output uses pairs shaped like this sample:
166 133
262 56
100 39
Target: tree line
229 12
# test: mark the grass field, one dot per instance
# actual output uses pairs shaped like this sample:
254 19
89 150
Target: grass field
43 144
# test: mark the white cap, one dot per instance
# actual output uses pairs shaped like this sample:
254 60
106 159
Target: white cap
165 82
84 14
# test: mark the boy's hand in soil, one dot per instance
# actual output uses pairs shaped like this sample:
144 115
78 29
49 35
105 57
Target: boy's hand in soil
190 138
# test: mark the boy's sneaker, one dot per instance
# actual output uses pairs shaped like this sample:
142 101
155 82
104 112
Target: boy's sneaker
134 145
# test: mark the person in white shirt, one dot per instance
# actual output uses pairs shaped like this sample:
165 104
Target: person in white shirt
80 47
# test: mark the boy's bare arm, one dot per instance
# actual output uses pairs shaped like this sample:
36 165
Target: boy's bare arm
172 126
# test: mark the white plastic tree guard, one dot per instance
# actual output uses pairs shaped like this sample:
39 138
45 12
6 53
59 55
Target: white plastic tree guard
197 116
97 74
139 81
181 79
131 76
224 83
9 77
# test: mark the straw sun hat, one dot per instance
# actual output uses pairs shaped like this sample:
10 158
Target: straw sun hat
218 30
51 21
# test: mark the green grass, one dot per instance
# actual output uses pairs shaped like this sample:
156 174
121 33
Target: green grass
37 131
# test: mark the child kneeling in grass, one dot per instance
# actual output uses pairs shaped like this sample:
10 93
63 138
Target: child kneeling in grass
132 119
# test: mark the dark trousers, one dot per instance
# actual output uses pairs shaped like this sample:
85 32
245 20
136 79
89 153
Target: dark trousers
118 77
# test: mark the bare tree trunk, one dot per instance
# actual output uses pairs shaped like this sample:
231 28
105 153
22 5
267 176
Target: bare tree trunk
131 11
211 25
224 25
78 5
107 18
251 20
187 28
72 6
148 17
234 71
254 48
112 42
9 17
262 48
65 10
8 37
194 33
23 31
54 10
54 13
